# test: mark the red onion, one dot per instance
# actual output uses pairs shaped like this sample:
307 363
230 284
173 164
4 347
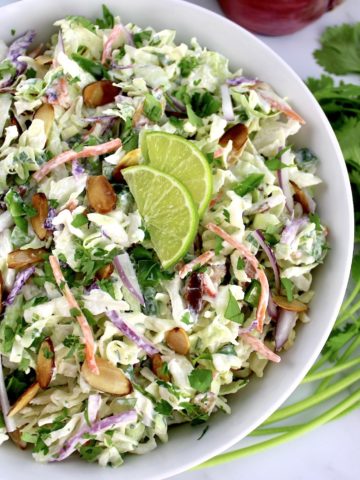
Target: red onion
272 308
240 80
284 184
76 168
20 280
145 345
270 254
105 424
227 107
263 205
127 274
4 403
276 18
48 223
291 230
284 325
6 221
17 49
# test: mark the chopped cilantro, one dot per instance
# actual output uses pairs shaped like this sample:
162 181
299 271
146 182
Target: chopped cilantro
288 287
79 220
314 218
108 19
251 182
227 349
275 162
226 214
186 318
90 451
240 264
233 311
253 293
163 407
141 37
218 245
193 118
200 379
96 69
30 73
187 65
152 108
75 312
204 104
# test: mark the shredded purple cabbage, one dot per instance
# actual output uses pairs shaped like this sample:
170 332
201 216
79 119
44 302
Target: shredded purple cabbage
76 168
51 95
127 275
97 427
270 254
48 223
17 49
130 333
20 280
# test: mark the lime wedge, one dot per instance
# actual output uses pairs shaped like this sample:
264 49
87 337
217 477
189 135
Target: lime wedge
183 160
168 211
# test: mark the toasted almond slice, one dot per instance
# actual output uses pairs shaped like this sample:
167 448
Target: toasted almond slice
43 59
110 379
105 271
128 160
41 204
100 194
100 93
178 340
157 365
46 114
24 258
29 394
238 134
300 196
293 306
16 438
45 363
1 291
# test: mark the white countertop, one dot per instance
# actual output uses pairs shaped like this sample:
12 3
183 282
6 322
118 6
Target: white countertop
330 452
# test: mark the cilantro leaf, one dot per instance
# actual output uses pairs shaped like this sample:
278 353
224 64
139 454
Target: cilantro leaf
187 65
205 104
79 220
288 287
193 118
152 108
200 379
340 49
251 182
233 311
96 69
163 407
348 135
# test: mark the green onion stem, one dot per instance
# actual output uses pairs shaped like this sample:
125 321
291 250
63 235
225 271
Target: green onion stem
322 360
350 298
331 371
329 415
350 349
345 315
273 430
309 402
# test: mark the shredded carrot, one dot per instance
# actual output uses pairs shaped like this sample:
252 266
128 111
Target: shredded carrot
250 257
260 347
80 317
198 261
218 197
114 35
209 287
279 104
71 155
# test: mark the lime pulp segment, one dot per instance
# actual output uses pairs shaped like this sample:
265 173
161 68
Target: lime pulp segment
180 158
168 211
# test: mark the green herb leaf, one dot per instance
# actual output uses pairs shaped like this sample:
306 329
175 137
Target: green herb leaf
193 118
205 104
251 182
108 19
163 407
187 65
142 38
79 220
240 264
253 293
96 69
233 311
152 108
186 318
288 287
340 49
200 379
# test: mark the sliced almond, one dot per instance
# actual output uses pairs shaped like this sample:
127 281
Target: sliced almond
1 291
100 194
128 160
16 438
293 306
238 134
100 93
105 271
157 366
24 258
29 394
301 197
46 114
45 363
43 60
178 340
41 204
110 379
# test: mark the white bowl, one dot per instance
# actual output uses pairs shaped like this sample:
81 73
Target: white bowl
260 398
